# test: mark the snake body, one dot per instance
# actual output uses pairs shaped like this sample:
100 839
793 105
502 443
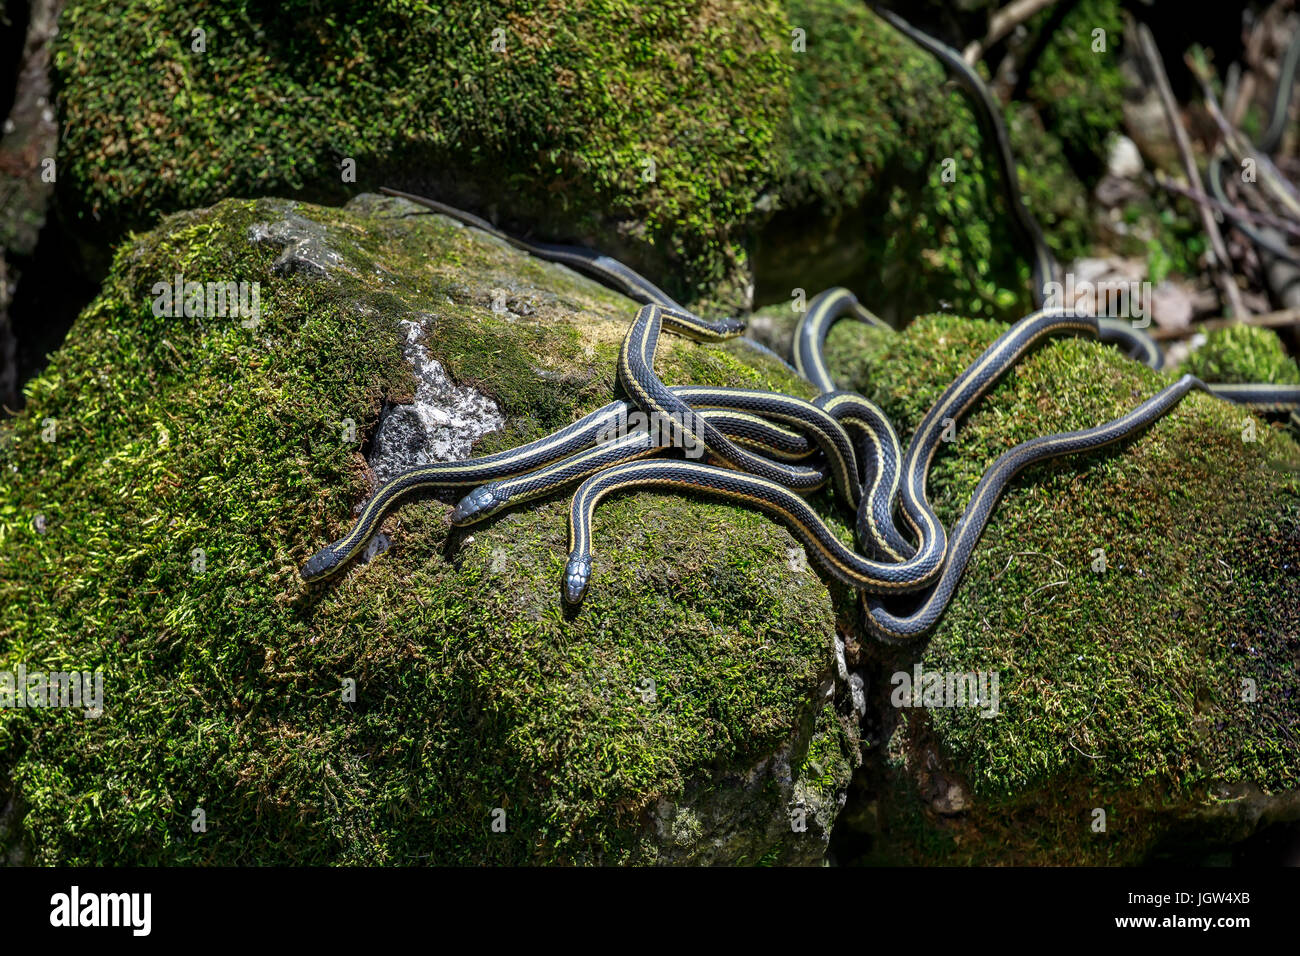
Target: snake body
1044 267
893 628
532 469
768 450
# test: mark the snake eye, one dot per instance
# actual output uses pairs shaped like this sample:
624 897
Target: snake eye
577 575
478 504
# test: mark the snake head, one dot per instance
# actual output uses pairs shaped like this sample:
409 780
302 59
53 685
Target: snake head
730 326
478 504
577 575
320 565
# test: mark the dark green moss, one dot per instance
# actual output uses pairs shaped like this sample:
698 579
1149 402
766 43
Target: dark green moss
520 103
1052 190
895 155
554 132
1075 81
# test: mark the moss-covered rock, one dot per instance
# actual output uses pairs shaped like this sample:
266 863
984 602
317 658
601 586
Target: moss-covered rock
672 137
1141 605
1243 353
613 122
170 474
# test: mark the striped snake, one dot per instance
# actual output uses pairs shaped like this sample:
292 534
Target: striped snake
767 450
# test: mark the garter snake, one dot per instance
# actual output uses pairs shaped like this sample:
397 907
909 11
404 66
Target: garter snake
625 444
760 446
772 495
537 461
567 455
823 546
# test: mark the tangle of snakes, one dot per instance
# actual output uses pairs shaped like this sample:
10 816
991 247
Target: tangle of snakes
769 451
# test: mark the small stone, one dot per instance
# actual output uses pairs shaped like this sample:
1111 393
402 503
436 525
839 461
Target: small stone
1123 158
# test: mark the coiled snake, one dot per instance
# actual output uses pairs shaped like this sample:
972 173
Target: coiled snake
768 450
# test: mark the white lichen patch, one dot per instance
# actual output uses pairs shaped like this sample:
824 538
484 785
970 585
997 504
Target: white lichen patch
441 424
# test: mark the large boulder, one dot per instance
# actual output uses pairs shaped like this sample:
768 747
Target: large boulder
171 472
1139 605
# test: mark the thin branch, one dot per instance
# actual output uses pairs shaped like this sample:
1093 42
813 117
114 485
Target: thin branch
1002 23
1070 741
1267 174
1234 107
1236 212
1232 89
1271 320
1221 264
1245 92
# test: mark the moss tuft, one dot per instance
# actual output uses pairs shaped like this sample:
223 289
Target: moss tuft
1243 353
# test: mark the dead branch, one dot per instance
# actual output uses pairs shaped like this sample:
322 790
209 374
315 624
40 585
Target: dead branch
1220 262
1234 212
1002 23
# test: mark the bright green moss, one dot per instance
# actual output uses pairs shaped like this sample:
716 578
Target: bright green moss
1120 688
475 691
1243 353
1052 190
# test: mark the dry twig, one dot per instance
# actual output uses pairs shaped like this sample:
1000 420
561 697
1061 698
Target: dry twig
1002 23
1272 320
1220 262
1263 218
